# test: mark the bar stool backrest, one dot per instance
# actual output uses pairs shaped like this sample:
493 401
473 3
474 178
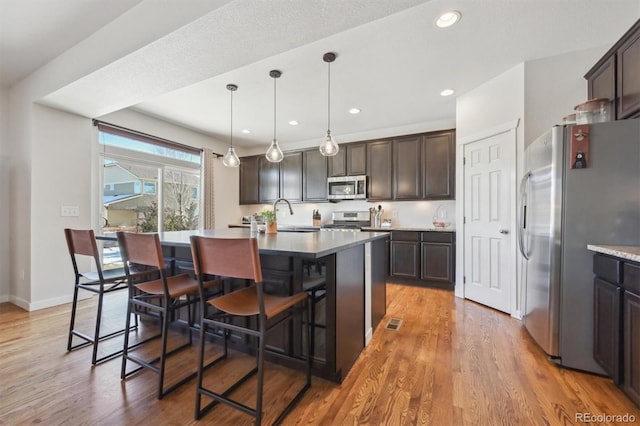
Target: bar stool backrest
227 257
141 249
82 242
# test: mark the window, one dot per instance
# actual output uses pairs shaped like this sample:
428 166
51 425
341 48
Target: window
148 185
149 188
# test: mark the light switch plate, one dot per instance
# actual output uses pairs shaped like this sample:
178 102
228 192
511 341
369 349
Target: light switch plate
69 211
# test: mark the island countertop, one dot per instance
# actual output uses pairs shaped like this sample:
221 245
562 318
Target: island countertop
624 252
310 245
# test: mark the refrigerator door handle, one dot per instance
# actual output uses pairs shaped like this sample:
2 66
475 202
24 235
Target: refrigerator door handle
523 214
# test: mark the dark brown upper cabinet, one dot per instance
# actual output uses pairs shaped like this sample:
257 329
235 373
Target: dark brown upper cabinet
438 160
628 64
380 170
249 180
314 176
291 176
269 188
602 81
351 160
407 168
615 76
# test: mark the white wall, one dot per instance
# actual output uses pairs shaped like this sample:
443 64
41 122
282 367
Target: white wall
5 164
497 102
537 93
553 87
61 176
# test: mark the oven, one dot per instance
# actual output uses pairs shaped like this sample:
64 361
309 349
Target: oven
348 221
347 188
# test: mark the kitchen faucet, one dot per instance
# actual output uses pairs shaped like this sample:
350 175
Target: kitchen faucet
277 201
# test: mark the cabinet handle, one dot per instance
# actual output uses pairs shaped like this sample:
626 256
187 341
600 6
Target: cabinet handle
504 231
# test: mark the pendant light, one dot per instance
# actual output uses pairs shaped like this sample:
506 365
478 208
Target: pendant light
231 159
274 153
329 147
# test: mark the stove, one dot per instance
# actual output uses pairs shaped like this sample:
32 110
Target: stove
348 221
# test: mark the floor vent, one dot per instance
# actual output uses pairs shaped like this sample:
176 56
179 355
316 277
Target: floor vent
393 324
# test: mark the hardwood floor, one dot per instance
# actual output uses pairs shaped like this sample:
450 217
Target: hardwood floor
452 362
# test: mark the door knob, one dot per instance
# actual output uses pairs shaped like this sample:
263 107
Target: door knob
504 231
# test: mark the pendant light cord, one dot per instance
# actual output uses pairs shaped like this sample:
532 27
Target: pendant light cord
231 124
329 99
274 108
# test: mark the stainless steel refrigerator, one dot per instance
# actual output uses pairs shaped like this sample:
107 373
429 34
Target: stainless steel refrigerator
562 209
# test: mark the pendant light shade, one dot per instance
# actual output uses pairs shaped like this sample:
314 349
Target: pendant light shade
231 159
329 147
274 153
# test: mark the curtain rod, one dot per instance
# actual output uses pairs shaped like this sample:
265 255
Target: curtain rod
96 122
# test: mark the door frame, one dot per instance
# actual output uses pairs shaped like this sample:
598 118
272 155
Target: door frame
508 127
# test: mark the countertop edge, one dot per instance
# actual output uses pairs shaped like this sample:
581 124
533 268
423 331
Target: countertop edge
631 253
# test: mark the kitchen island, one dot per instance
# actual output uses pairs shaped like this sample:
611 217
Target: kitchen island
347 270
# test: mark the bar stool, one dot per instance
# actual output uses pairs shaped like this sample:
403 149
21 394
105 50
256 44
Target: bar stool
239 258
163 296
83 243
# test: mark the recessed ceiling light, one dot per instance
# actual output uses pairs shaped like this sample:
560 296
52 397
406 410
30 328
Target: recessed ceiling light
447 19
354 111
447 92
246 131
294 123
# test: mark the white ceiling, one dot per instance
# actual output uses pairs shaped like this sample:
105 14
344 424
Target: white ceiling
392 61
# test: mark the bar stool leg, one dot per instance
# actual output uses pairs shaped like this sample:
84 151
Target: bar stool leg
96 335
165 332
73 316
125 347
260 373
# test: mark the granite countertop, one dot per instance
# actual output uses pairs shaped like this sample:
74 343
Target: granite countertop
398 228
624 252
366 228
310 245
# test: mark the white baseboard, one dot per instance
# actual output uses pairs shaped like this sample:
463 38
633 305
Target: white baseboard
368 335
41 304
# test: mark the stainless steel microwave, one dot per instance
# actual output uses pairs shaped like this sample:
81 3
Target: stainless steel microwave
347 188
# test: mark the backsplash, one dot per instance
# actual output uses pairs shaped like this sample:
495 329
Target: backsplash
406 214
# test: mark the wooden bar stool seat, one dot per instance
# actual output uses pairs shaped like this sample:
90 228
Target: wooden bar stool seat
163 297
81 242
239 258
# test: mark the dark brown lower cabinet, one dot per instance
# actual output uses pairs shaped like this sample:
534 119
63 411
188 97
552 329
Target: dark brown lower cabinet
436 262
617 321
422 258
631 327
405 258
607 303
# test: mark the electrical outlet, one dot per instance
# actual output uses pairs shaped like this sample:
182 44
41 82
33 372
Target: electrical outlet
69 211
394 214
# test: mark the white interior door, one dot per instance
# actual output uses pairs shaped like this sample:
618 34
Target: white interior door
489 173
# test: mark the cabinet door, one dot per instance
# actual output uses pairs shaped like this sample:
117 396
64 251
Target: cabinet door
291 176
631 355
405 258
436 262
356 159
379 170
606 327
314 176
407 169
338 163
249 180
438 155
628 61
601 82
269 180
